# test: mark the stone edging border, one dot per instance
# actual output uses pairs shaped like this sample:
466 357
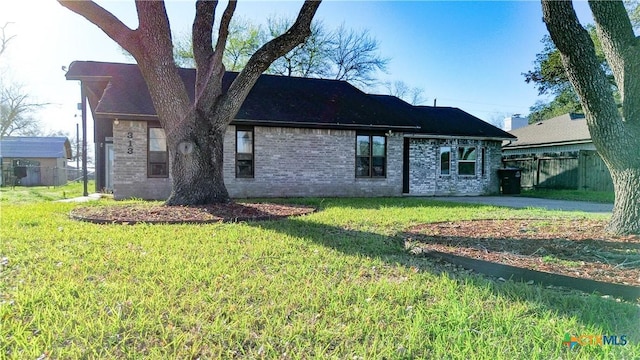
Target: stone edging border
627 292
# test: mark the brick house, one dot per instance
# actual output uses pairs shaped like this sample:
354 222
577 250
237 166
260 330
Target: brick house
295 137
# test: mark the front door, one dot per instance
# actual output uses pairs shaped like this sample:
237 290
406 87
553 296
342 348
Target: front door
108 166
405 167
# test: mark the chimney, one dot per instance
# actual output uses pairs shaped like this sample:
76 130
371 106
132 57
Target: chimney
514 122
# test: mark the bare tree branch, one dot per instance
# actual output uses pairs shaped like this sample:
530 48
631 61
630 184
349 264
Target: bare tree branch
15 111
107 22
4 40
355 56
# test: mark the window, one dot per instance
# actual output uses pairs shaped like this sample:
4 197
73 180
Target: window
157 155
371 153
445 160
483 158
244 152
467 160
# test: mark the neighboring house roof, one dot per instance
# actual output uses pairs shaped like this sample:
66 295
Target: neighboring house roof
561 130
285 101
35 147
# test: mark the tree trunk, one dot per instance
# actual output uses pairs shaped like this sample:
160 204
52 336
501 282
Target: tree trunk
197 164
194 130
615 132
626 211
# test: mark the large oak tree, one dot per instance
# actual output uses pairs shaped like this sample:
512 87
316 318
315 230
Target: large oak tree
195 128
615 131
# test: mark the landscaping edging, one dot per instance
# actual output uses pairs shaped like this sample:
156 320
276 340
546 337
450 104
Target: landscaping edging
508 272
203 214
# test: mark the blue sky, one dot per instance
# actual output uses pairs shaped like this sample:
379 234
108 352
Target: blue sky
466 54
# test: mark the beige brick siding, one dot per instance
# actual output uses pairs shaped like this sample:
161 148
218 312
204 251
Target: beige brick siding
130 164
309 162
294 162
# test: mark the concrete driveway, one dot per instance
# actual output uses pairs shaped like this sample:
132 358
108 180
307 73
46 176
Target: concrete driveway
526 202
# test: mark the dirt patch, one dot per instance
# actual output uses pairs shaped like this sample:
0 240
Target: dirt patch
161 214
578 248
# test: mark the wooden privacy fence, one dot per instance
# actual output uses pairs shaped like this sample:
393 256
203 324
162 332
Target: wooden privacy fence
583 170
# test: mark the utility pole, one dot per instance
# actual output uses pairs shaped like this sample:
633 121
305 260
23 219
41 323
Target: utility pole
77 149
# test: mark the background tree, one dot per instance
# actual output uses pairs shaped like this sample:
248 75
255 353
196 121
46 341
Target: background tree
16 111
194 129
615 130
400 89
244 40
341 54
355 57
565 102
550 78
309 59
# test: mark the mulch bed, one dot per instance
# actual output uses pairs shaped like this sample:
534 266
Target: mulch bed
577 248
161 214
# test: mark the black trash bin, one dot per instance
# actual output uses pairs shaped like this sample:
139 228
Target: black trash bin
510 180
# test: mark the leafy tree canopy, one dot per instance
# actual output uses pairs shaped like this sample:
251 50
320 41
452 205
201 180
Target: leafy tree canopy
550 78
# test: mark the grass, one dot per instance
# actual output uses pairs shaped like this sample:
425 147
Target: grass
335 284
33 194
605 197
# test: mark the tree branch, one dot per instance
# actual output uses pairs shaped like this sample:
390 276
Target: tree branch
201 31
107 22
263 57
155 32
223 33
585 73
620 47
4 40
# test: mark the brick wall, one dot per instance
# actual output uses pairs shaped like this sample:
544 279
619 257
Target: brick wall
292 162
130 164
424 168
309 162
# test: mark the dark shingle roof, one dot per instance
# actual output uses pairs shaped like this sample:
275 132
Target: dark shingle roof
289 101
35 147
563 129
445 121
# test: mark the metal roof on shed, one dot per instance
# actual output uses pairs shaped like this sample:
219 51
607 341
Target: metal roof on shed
35 147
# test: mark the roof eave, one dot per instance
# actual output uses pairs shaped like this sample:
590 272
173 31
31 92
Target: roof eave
553 143
464 137
316 125
125 116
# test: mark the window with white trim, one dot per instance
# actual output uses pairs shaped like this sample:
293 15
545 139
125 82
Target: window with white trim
445 160
244 152
157 154
467 160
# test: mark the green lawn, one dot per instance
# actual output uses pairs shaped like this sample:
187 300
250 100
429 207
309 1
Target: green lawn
33 194
334 284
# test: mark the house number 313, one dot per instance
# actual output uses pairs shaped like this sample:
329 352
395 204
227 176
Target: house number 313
130 144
